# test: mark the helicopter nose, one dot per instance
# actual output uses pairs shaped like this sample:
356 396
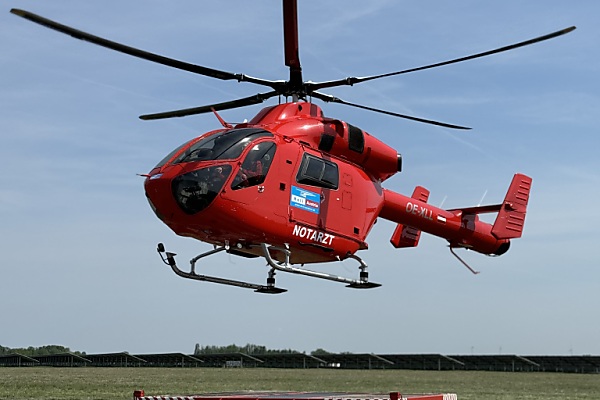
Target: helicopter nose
190 192
158 194
153 207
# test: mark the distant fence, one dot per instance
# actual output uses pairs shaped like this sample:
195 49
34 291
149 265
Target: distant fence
432 362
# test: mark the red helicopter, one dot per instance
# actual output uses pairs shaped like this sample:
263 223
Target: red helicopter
296 187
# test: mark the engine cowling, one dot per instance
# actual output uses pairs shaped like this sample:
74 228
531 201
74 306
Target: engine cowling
347 141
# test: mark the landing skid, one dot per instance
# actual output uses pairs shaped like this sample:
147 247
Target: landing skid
270 288
169 259
361 283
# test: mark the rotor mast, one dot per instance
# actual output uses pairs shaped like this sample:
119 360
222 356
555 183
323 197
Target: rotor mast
291 51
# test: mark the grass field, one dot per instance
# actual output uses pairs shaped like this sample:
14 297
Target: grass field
119 383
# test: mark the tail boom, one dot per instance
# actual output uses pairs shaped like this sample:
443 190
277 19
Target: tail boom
461 227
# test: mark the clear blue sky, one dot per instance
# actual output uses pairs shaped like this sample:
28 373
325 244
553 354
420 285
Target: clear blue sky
78 239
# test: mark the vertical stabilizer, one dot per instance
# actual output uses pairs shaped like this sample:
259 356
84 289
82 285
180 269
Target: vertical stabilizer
511 217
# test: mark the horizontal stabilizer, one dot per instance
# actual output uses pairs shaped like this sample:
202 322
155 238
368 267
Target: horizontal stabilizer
479 209
511 216
407 236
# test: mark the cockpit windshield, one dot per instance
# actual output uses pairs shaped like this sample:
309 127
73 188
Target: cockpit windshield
225 145
171 154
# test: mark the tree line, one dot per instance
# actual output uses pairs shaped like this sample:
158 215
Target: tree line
38 351
198 350
249 349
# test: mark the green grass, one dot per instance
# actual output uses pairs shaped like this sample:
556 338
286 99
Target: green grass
119 383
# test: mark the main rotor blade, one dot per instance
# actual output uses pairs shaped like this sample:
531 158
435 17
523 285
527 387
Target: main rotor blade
353 80
196 69
246 101
332 99
290 42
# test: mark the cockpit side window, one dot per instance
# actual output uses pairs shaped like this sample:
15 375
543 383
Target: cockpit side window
221 146
316 171
255 167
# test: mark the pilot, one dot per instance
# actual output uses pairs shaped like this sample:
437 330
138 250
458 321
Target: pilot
254 169
217 177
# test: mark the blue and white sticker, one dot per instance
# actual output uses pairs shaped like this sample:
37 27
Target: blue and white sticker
305 199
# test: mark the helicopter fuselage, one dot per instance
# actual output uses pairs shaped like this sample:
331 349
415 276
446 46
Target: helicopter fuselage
292 178
270 181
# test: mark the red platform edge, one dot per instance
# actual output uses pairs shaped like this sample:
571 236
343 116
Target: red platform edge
140 395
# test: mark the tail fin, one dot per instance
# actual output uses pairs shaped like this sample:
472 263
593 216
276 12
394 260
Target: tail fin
511 217
407 236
